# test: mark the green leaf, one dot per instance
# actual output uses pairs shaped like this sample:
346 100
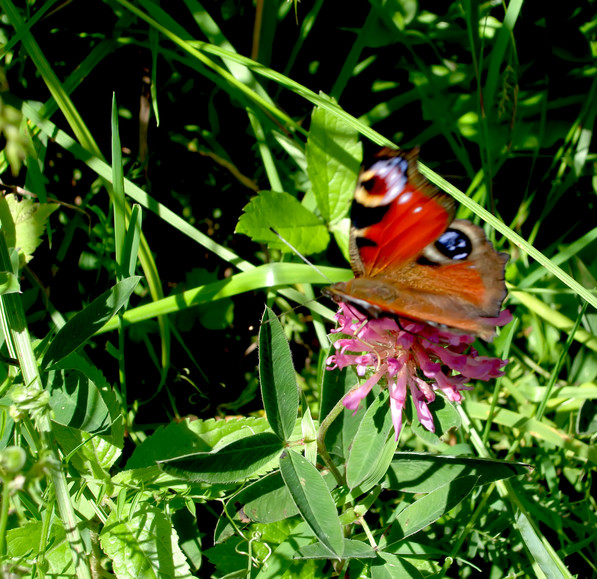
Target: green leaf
131 242
284 213
77 362
191 436
9 283
84 324
25 540
414 472
389 566
313 500
429 508
352 550
281 563
77 402
334 156
267 500
445 417
30 220
143 544
540 549
93 455
276 375
586 421
342 431
369 443
236 461
189 536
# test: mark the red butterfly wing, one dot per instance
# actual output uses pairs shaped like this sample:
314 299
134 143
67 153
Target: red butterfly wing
395 215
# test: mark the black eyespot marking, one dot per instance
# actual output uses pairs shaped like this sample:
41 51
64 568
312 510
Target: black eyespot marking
454 244
369 184
362 216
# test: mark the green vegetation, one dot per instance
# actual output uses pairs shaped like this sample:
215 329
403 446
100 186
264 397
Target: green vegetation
150 420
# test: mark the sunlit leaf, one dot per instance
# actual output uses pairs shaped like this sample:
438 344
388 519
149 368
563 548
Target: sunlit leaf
283 213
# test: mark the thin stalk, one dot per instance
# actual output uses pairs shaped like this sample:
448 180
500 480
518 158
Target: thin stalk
35 400
323 428
4 515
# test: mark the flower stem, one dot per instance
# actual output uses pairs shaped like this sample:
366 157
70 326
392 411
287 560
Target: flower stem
323 429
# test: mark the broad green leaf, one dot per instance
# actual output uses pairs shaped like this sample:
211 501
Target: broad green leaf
30 220
84 324
313 499
379 467
77 402
276 375
284 213
334 156
266 500
25 540
78 363
342 431
281 562
414 472
445 416
189 537
229 558
341 233
143 544
236 461
352 550
390 566
369 442
191 436
93 455
429 508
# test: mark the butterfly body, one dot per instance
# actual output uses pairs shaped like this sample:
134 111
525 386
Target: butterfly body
412 259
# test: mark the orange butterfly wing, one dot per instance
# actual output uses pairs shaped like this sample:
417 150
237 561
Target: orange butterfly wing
411 259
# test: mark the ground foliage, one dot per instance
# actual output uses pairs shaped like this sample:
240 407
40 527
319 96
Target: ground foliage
143 303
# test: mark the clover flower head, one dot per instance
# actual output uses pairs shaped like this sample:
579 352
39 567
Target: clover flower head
410 357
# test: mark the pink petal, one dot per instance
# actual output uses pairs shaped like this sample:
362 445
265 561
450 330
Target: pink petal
353 398
423 412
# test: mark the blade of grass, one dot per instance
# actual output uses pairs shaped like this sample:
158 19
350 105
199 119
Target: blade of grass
543 554
81 132
265 276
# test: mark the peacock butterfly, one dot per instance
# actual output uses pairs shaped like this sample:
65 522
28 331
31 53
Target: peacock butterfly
412 259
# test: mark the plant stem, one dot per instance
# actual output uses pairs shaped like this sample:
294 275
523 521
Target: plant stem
35 399
4 515
323 428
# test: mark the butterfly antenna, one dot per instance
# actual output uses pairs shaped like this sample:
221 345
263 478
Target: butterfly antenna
301 255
